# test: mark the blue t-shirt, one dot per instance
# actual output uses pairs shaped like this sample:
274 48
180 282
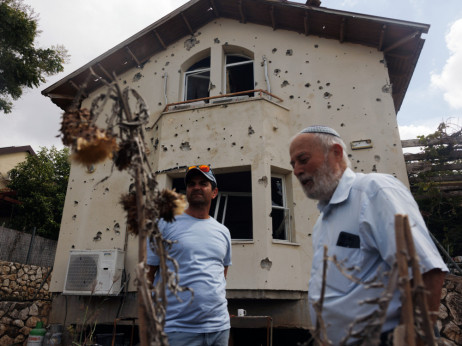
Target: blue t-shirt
358 227
202 249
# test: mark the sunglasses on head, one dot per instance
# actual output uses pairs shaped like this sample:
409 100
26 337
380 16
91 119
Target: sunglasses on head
203 168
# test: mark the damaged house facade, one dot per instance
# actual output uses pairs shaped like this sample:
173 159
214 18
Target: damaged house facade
228 83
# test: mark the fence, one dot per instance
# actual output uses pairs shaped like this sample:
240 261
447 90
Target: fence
25 248
443 167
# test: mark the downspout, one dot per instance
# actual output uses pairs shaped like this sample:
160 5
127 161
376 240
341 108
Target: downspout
165 88
265 64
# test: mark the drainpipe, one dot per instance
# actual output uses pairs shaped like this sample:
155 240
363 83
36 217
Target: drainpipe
265 64
165 87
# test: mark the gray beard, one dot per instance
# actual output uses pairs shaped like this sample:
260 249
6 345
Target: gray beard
325 182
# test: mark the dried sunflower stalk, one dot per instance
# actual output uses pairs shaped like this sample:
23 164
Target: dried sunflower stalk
89 144
170 204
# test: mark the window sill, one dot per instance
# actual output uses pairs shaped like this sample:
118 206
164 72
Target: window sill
241 241
285 242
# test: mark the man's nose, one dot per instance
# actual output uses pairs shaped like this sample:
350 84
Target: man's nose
297 170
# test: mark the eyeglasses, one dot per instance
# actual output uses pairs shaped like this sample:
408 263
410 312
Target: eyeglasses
202 168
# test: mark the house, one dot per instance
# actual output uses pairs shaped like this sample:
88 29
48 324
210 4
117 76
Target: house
10 157
228 83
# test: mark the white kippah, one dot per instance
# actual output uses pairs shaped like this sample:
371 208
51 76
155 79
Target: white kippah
320 129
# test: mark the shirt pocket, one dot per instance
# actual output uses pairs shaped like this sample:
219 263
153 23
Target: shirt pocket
339 276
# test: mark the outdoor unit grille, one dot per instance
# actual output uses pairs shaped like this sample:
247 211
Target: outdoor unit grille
94 272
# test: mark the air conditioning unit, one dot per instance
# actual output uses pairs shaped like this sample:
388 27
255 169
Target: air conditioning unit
94 272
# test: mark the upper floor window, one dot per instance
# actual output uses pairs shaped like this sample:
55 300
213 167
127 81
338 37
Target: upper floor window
280 213
239 73
197 80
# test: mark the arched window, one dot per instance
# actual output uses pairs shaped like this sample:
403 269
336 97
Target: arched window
197 80
239 73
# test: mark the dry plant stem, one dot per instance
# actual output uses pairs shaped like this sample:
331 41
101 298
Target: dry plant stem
143 317
419 294
407 313
320 333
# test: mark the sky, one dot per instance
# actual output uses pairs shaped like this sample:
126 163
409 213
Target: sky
89 28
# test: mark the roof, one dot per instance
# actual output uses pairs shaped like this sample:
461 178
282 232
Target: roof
400 41
13 150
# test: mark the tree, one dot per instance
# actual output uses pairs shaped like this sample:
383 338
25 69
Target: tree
41 184
21 63
435 175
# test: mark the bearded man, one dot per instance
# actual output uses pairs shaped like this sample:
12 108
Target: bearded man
357 226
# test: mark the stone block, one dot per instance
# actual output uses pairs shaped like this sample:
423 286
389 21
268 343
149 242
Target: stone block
24 314
6 340
19 339
33 310
443 312
454 304
6 290
5 320
14 313
18 323
25 330
453 333
444 291
32 321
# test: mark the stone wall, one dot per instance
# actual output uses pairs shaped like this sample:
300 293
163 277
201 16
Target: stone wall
24 300
450 314
15 245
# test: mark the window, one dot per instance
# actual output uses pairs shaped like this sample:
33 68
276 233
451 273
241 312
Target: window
233 205
280 213
197 80
239 73
234 210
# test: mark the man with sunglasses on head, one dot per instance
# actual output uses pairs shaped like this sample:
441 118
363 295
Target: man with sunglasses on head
202 248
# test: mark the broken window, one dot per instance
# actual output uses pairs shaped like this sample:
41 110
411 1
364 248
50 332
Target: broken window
233 205
280 213
239 74
197 80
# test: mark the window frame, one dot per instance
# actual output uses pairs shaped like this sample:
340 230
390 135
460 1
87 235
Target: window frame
222 220
188 73
285 207
240 63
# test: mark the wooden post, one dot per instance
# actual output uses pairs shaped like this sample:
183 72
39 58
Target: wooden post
407 311
420 298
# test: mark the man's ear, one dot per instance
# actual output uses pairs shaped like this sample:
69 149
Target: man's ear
214 192
337 150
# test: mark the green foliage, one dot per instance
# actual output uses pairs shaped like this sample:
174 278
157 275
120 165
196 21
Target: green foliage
41 184
442 210
21 63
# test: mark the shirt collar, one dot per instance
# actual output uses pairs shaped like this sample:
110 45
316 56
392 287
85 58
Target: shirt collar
342 191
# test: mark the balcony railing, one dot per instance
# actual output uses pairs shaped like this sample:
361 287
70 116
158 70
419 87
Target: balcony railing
237 96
